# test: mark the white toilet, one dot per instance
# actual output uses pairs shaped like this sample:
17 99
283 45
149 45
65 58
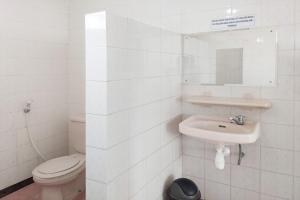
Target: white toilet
57 174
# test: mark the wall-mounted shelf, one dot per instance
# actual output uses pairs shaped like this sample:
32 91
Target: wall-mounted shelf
228 101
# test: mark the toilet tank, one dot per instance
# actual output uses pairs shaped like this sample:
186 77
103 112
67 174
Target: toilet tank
77 134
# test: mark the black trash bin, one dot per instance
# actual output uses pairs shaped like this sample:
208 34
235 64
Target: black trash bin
183 189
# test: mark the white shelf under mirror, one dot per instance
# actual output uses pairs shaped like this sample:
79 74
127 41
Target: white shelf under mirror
228 101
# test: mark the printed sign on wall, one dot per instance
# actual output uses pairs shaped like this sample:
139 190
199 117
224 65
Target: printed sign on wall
229 23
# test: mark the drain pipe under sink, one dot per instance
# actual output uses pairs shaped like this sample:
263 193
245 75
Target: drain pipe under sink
222 151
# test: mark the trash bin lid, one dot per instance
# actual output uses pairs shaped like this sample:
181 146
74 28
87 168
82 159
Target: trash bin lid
184 189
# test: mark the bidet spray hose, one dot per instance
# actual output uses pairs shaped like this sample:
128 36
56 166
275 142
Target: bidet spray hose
26 111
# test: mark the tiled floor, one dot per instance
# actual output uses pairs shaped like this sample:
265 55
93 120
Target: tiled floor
80 197
32 192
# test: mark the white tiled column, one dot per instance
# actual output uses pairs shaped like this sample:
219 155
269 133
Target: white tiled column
96 105
132 109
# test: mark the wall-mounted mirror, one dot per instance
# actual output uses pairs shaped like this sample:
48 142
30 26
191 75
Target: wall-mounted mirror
239 57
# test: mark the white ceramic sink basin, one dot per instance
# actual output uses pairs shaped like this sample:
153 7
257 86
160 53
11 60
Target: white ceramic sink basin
220 131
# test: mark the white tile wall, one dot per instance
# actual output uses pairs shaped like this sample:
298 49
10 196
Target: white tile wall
277 160
270 169
217 191
213 174
33 66
272 136
237 194
133 111
277 185
280 124
193 166
297 188
244 177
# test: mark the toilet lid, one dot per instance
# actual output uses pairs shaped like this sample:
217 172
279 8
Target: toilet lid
58 165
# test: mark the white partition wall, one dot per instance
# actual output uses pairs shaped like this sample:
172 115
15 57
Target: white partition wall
133 76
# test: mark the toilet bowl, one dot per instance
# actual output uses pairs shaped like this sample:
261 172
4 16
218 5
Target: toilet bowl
57 174
59 170
53 174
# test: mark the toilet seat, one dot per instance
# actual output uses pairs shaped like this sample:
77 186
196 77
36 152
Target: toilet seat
59 170
58 165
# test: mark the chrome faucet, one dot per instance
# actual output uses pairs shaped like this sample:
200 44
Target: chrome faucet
239 119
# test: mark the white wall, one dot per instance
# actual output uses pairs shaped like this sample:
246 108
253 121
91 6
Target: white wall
271 167
261 176
33 37
167 14
175 15
133 85
148 12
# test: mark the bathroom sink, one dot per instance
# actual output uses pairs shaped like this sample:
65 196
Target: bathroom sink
220 130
